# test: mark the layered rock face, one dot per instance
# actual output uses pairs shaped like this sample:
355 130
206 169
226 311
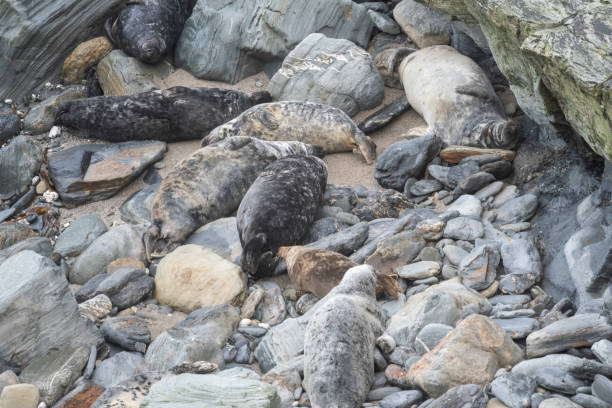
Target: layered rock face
555 56
37 35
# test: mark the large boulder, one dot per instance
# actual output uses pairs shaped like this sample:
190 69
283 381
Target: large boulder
120 74
444 303
36 37
191 277
38 313
477 348
556 59
325 70
211 46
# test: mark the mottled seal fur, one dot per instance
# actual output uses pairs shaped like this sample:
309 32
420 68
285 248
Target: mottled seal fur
318 271
149 29
308 122
278 210
209 185
173 114
340 341
454 96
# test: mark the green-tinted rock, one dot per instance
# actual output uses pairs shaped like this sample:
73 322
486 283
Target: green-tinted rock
120 74
210 391
556 56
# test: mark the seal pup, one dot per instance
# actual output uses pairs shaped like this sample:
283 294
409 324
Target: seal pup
456 99
178 113
149 29
208 185
318 271
307 122
278 210
340 340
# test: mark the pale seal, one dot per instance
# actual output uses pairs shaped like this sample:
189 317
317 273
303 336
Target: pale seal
307 122
456 99
278 210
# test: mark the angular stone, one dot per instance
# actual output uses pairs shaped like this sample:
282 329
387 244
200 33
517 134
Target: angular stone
425 187
32 329
95 172
603 351
553 372
419 270
478 348
384 23
451 176
464 228
55 373
41 117
120 367
430 336
518 209
40 245
191 277
471 395
19 396
473 183
200 337
467 206
519 327
426 27
220 237
120 74
522 264
444 303
478 270
324 70
79 235
85 56
123 241
19 162
454 254
396 251
514 389
271 310
10 124
577 331
129 332
270 31
405 159
192 390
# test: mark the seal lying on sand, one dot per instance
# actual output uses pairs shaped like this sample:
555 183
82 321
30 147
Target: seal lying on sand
319 271
209 185
149 29
307 122
454 96
340 341
173 114
279 209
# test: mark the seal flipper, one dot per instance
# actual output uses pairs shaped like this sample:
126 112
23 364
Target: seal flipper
475 91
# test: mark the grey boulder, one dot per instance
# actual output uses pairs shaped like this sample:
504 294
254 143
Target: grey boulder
38 313
19 162
120 367
79 235
325 70
124 241
522 264
221 237
269 31
129 332
10 124
405 159
514 389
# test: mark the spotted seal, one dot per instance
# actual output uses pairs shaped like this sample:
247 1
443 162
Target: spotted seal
308 122
178 113
149 29
208 185
456 99
278 210
318 271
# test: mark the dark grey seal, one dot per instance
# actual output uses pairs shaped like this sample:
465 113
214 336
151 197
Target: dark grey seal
278 210
173 114
149 29
209 185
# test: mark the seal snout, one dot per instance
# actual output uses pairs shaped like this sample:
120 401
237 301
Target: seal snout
152 50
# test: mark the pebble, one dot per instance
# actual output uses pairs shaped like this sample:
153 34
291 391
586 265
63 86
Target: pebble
454 254
463 228
401 399
425 187
380 393
603 351
489 191
514 389
467 206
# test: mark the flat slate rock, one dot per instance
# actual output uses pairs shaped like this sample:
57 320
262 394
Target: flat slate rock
96 172
137 208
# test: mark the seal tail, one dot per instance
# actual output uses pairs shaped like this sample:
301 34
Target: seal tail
388 285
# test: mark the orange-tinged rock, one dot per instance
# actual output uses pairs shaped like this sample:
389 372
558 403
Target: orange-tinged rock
470 354
85 56
454 154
